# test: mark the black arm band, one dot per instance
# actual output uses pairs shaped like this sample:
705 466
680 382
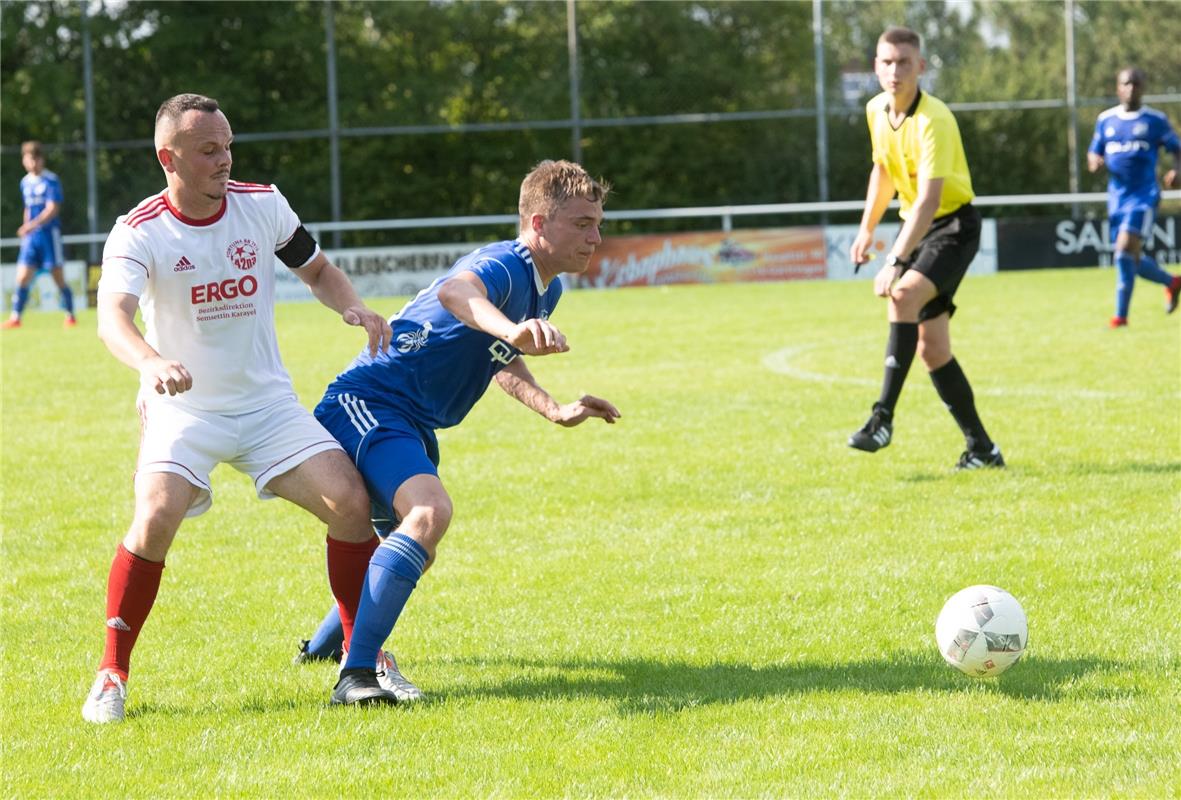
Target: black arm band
299 249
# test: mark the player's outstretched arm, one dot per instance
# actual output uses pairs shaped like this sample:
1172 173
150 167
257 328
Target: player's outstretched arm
116 328
518 382
332 288
466 297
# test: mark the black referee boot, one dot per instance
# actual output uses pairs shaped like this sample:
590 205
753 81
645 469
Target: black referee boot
876 433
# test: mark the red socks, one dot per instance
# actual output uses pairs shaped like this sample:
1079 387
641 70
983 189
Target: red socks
348 563
131 591
133 583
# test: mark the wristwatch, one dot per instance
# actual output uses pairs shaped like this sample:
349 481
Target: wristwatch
894 261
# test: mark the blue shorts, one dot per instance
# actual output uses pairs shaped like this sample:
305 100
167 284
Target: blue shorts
1135 218
385 444
41 249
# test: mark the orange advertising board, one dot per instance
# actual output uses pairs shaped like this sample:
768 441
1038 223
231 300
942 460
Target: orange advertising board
775 254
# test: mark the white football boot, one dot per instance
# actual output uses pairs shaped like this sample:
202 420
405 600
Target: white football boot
391 679
106 699
394 681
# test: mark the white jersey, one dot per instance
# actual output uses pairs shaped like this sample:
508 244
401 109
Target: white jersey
207 292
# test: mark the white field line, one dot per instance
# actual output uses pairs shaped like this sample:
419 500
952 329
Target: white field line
783 362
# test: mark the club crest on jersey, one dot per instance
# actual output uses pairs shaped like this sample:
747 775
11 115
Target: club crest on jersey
413 340
243 254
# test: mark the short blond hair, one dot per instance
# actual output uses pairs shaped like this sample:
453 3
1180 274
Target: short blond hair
551 183
32 148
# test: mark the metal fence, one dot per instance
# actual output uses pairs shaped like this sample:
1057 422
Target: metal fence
577 125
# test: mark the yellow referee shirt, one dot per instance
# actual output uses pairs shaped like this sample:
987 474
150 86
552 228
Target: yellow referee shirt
926 145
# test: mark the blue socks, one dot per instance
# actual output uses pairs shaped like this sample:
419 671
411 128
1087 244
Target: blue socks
19 298
394 571
1125 266
1150 270
1128 270
328 639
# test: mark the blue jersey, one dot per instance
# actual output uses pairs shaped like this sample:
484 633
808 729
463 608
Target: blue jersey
38 191
437 367
1129 142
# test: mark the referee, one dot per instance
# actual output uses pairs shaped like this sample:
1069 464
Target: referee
918 154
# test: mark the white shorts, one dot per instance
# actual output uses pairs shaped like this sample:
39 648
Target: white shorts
264 444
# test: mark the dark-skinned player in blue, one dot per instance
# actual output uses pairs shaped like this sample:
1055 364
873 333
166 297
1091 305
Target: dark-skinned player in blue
1127 140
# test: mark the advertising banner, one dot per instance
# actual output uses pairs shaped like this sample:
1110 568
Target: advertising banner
774 254
839 238
382 271
1037 243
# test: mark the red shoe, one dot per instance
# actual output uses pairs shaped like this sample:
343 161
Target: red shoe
1118 322
11 323
1172 294
71 322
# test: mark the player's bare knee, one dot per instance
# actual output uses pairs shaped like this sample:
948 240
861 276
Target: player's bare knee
934 354
438 516
933 359
907 302
152 530
349 510
429 520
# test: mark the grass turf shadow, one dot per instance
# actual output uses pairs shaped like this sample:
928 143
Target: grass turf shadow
648 685
651 686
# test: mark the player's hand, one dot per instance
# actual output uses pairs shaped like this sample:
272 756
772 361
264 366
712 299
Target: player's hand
584 408
26 229
537 337
375 326
884 280
1170 179
859 251
164 376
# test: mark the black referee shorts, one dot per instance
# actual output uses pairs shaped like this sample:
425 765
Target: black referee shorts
944 255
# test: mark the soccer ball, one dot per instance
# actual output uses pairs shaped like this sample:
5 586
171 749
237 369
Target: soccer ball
981 631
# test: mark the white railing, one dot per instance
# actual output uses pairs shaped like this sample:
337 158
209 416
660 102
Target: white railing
725 214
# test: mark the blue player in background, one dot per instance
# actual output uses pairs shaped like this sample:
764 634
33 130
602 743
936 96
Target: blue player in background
467 328
41 234
1127 138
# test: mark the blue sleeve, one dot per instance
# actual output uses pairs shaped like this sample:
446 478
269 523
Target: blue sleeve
1169 138
55 191
1096 146
497 279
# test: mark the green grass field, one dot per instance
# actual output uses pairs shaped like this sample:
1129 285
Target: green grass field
715 597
